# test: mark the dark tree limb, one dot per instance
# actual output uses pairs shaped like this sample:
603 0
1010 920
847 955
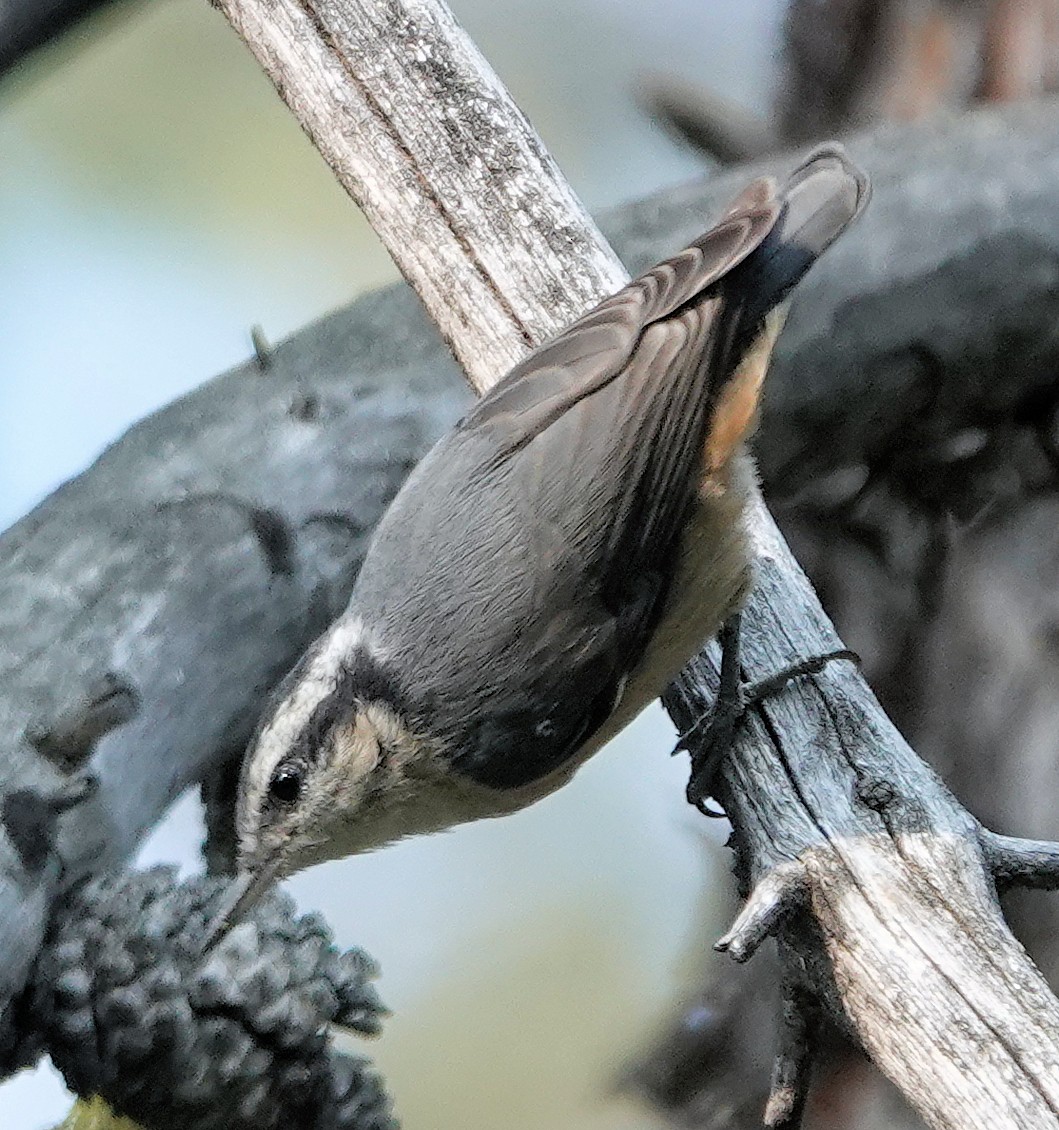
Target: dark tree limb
183 602
847 64
1022 863
799 1030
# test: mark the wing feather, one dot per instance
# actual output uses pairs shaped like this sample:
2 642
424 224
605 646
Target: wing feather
550 530
616 405
595 350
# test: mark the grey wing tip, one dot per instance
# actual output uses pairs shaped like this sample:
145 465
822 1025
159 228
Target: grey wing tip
834 156
819 200
829 173
823 195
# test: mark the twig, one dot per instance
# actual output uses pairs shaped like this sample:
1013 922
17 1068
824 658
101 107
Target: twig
794 1060
704 120
1022 863
778 895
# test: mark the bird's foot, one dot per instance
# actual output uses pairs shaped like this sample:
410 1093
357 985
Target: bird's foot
712 735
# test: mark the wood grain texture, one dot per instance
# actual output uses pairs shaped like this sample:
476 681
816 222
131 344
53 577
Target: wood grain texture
919 963
426 139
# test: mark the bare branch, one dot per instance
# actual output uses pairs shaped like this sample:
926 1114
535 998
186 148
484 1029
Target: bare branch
779 893
427 141
794 1060
1022 863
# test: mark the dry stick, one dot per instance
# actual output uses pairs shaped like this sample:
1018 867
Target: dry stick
905 940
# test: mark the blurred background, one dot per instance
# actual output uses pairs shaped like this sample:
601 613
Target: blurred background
156 201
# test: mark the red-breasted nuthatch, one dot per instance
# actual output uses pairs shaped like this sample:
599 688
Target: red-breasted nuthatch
553 561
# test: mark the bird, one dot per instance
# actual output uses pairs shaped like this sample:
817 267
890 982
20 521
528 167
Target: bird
551 563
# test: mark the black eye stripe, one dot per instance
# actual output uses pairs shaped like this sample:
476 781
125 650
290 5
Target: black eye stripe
362 680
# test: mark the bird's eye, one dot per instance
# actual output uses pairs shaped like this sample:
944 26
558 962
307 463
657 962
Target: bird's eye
286 784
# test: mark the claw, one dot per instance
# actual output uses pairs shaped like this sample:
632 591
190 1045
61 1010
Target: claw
711 735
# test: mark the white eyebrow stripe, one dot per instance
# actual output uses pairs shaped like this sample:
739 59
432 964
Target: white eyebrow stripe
291 716
319 680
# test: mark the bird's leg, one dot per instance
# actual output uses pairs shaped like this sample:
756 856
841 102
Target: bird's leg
710 737
712 734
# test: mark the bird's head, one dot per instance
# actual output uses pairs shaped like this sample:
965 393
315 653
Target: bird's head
330 768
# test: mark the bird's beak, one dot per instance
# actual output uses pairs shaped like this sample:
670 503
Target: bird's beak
246 890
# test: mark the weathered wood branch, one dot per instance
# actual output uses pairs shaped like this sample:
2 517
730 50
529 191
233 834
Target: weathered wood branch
901 903
473 210
1017 862
901 899
961 649
108 576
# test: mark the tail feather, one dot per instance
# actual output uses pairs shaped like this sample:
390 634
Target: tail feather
718 290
